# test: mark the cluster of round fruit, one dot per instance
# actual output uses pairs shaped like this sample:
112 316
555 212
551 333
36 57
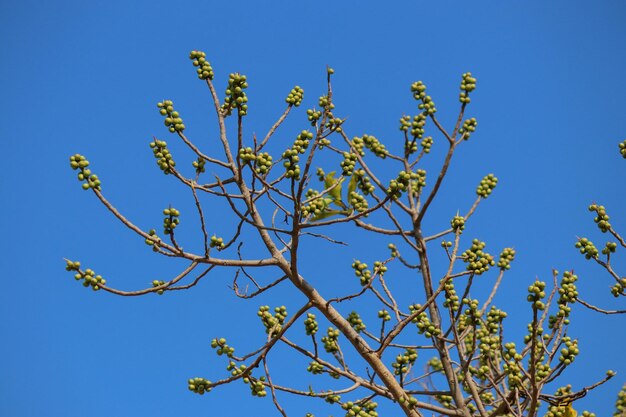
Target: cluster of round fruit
235 96
363 181
205 71
412 401
423 323
348 163
164 158
435 364
427 143
78 161
357 201
468 84
272 322
536 293
295 96
469 127
601 219
620 404
222 348
486 186
334 123
332 398
310 324
404 361
622 148
153 240
316 206
477 260
199 165
263 163
587 248
452 298
199 385
171 220
458 224
419 93
217 242
90 279
368 409
172 120
330 340
570 351
157 283
401 183
355 321
506 257
313 115
325 103
237 370
375 146
315 368
394 250
384 315
361 271
291 155
609 247
417 125
246 155
258 387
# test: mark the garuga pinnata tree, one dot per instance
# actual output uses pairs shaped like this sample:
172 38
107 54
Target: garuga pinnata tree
446 353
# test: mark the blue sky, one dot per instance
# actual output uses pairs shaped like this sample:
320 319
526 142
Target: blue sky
85 77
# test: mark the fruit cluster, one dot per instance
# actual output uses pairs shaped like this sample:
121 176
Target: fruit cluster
163 156
310 324
172 119
477 260
469 127
235 96
348 163
263 163
419 93
355 321
332 398
199 385
246 155
153 240
205 71
468 84
609 247
486 186
222 348
313 115
384 315
171 220
397 186
89 180
325 103
435 364
291 155
587 248
217 242
451 297
570 351
423 323
427 143
257 387
89 276
622 148
536 293
601 219
506 257
157 283
199 165
316 206
361 271
295 96
375 146
363 181
330 340
358 202
404 361
334 123
315 368
368 409
620 404
458 224
272 322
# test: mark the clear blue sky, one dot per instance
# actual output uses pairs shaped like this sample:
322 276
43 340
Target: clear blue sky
85 77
